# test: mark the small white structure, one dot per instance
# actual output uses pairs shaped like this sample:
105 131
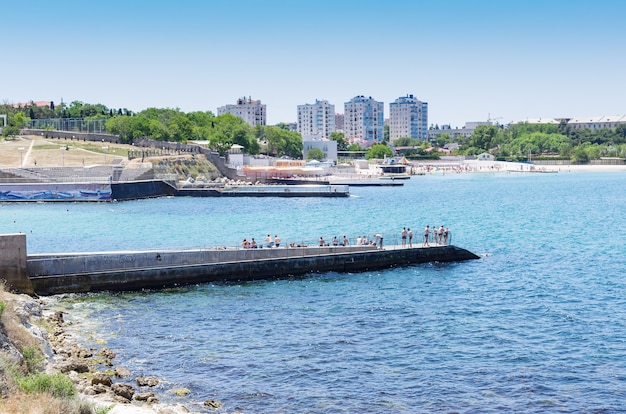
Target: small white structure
235 156
485 156
328 147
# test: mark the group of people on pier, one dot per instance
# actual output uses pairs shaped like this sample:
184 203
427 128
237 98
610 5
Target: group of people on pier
437 235
431 235
268 242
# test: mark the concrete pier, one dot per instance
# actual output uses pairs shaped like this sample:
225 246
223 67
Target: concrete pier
130 271
13 263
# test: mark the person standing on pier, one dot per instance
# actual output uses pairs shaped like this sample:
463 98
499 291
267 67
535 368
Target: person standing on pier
409 234
403 235
276 241
426 233
378 240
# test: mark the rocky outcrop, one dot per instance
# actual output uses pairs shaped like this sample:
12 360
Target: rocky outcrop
147 381
64 355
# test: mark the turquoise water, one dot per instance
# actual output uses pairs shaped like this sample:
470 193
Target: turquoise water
536 325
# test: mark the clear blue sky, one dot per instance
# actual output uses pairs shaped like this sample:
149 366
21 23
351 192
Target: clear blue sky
467 59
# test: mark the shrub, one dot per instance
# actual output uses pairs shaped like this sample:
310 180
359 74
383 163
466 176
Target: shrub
32 358
3 306
57 385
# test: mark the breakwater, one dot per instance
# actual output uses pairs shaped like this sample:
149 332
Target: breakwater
50 274
134 190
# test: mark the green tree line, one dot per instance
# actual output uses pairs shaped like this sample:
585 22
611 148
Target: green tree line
169 125
523 141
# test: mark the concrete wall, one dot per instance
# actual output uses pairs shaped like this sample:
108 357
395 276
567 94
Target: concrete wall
69 263
13 262
159 270
141 189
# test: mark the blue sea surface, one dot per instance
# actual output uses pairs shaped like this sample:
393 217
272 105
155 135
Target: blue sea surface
537 325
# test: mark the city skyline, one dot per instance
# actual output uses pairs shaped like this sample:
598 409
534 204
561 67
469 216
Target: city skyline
469 61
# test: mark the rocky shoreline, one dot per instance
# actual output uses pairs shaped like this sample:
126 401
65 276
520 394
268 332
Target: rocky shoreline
93 371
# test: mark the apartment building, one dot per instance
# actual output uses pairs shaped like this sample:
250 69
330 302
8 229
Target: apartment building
364 120
339 122
253 112
408 118
316 121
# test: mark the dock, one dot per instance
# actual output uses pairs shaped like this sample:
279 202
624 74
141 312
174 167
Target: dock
49 274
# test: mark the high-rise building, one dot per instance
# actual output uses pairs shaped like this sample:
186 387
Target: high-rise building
408 118
339 122
253 112
364 120
316 121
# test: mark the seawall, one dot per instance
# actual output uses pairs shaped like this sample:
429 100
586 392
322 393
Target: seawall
132 271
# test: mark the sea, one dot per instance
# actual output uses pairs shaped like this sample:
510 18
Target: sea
536 325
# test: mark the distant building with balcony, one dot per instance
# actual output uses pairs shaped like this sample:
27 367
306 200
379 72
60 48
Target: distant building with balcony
408 118
253 112
316 121
364 121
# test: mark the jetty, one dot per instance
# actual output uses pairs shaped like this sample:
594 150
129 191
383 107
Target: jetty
123 191
55 273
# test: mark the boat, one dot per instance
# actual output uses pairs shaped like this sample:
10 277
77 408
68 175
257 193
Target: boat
393 169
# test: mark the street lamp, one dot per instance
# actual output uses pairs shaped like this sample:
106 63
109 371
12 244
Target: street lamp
21 150
105 148
63 155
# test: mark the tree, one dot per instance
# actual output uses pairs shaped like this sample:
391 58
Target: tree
379 151
483 136
229 130
443 139
386 133
342 144
315 154
282 142
579 155
10 131
20 120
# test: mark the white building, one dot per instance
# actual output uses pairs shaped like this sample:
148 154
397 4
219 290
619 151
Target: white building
408 118
364 120
597 122
316 121
466 131
329 148
589 122
253 112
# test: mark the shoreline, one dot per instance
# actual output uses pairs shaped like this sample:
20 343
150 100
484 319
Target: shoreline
115 388
480 167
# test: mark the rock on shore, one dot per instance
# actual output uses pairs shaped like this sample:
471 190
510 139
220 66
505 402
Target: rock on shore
111 388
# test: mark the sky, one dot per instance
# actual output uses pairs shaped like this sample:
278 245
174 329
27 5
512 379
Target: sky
470 60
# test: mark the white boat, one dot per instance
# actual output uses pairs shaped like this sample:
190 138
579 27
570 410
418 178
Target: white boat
393 169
